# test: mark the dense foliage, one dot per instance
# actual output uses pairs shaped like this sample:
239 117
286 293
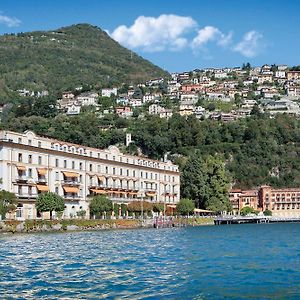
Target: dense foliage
247 210
206 182
49 202
100 204
67 58
8 203
139 206
185 207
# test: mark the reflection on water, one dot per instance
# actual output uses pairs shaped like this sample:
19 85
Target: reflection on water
250 261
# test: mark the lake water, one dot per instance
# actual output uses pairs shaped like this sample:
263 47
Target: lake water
257 261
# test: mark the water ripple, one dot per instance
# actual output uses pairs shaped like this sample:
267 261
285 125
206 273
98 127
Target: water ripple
228 262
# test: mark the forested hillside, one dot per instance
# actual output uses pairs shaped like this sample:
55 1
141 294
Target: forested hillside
67 58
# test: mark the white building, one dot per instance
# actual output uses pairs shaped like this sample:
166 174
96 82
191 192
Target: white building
73 110
109 92
148 97
135 102
30 165
280 74
86 99
191 97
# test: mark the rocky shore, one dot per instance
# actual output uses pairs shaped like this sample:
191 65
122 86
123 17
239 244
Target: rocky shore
29 226
32 226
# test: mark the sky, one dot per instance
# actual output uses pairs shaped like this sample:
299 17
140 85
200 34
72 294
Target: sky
175 35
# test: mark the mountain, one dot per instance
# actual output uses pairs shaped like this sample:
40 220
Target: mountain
66 58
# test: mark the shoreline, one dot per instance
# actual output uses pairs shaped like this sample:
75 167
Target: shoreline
76 225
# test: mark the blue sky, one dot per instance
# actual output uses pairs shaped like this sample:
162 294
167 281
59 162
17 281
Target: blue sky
176 35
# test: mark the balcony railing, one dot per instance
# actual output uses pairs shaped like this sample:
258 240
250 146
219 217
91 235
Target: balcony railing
72 197
26 195
22 179
70 182
41 180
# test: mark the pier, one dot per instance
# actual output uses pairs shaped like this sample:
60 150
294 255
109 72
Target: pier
253 219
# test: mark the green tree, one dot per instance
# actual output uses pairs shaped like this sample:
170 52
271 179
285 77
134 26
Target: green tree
138 206
158 207
268 212
49 202
217 185
256 111
247 210
185 206
211 107
8 203
100 204
194 180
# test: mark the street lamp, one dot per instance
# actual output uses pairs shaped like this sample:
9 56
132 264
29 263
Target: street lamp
141 195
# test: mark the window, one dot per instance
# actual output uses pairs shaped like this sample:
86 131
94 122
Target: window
114 158
80 178
99 169
40 160
20 157
133 173
73 164
39 144
65 163
106 169
91 167
19 140
30 190
56 176
127 172
29 158
91 153
56 162
121 171
56 190
99 155
114 171
30 173
80 166
29 142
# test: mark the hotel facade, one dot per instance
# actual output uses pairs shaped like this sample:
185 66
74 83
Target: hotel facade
282 202
30 165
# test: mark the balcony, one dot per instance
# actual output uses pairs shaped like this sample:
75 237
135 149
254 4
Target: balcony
70 182
26 195
41 180
72 197
22 179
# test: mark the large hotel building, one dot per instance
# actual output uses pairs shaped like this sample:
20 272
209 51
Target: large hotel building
282 202
30 165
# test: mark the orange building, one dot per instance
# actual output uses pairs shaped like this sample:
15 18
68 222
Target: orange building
240 199
282 202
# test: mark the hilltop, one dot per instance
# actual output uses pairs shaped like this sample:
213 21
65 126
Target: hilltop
66 58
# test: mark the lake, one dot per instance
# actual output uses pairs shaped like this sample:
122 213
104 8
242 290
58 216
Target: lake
257 261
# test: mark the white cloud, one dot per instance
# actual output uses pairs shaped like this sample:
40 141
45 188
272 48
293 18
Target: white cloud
250 45
155 34
209 34
9 21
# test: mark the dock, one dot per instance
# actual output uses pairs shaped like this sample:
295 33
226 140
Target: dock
253 219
